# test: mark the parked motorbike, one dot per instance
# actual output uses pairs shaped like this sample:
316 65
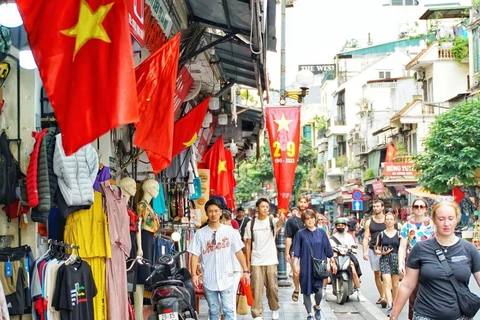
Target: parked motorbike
173 295
342 281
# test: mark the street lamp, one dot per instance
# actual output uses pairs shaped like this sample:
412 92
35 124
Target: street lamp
304 80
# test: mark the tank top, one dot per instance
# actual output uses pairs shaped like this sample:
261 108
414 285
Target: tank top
375 229
385 241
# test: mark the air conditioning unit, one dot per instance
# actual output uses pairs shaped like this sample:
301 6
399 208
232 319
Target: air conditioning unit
357 136
381 140
420 75
406 127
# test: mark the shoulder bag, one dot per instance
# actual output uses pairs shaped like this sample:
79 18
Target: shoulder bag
319 266
468 302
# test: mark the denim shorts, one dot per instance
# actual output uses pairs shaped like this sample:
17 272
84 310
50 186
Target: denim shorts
416 316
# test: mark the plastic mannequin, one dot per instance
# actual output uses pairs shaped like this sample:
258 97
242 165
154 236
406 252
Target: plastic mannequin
150 190
129 187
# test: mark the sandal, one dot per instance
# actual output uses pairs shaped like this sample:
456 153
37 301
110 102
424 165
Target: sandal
295 296
383 303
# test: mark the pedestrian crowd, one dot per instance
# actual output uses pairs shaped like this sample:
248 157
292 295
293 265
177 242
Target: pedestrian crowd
406 259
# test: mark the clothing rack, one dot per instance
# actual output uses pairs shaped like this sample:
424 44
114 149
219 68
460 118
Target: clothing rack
63 244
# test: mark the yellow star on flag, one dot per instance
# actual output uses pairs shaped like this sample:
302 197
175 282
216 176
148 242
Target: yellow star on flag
191 142
222 166
283 124
89 25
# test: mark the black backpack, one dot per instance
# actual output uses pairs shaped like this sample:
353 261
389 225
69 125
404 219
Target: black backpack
10 173
271 226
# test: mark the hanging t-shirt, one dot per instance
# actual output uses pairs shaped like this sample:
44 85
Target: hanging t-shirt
158 203
74 292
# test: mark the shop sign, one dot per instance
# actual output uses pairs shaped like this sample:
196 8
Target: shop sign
154 36
184 82
160 13
378 187
398 169
136 13
317 68
204 140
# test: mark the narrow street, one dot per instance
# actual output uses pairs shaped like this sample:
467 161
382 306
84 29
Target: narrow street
351 310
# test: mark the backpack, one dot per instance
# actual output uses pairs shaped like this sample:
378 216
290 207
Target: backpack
10 175
271 226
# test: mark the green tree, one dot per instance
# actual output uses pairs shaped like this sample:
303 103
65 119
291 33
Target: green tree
307 159
452 149
252 173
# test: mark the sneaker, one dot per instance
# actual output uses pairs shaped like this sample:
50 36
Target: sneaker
318 314
359 295
275 315
389 311
309 318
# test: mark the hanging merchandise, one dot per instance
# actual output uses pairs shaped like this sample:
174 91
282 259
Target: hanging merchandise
76 173
89 230
15 266
158 203
197 182
118 229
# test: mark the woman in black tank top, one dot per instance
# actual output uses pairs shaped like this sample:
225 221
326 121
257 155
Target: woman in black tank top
387 243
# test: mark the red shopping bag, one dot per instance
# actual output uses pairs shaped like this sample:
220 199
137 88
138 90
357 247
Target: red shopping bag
247 290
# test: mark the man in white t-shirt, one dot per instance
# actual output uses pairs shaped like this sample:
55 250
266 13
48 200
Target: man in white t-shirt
344 238
262 258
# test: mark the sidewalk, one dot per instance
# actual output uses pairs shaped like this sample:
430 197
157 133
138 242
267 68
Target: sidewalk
289 310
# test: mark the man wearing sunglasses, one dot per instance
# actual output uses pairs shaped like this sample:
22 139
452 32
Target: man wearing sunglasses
418 228
216 243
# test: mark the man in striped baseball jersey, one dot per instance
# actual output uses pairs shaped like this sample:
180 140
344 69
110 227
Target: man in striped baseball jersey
215 243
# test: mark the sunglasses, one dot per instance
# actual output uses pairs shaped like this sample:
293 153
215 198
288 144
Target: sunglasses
214 239
421 206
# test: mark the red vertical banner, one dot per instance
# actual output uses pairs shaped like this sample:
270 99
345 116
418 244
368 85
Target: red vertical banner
283 125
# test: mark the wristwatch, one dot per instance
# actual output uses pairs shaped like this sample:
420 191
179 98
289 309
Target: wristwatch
246 271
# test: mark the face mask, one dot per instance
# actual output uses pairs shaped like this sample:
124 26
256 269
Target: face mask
340 230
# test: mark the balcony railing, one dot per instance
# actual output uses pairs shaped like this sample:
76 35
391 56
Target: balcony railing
445 53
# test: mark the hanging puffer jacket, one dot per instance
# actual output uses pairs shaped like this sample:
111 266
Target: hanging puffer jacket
32 170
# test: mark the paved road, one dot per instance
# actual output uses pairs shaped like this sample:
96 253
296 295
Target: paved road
351 310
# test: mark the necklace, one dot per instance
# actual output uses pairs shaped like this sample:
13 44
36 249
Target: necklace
445 247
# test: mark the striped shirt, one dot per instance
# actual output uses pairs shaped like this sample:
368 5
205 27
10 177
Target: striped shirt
216 263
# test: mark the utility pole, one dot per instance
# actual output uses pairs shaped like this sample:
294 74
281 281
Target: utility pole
282 50
282 276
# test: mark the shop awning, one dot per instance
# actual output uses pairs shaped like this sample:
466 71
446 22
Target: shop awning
233 16
329 196
420 192
238 64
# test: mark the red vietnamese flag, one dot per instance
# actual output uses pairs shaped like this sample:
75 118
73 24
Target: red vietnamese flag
156 83
391 152
185 131
216 161
231 179
84 55
283 125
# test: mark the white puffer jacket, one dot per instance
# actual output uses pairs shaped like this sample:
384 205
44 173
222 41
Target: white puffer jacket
76 173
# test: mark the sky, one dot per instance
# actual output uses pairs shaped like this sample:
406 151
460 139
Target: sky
316 30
